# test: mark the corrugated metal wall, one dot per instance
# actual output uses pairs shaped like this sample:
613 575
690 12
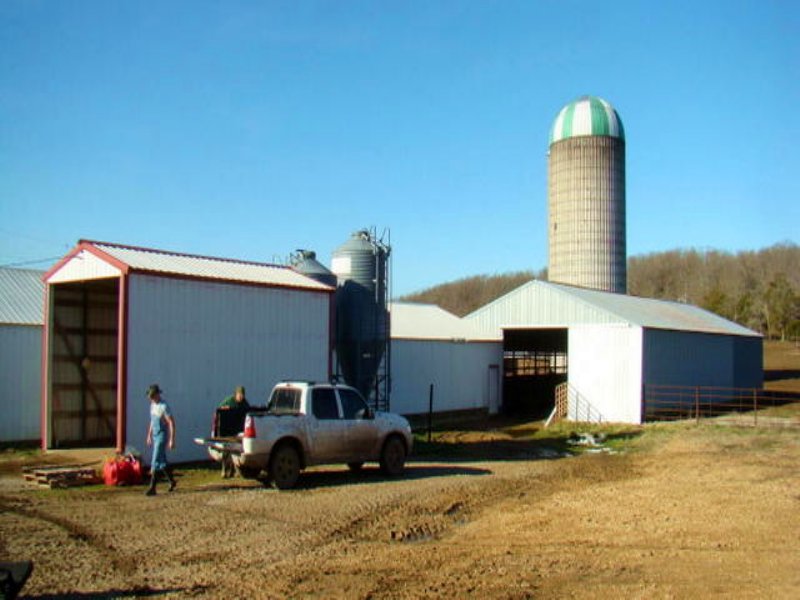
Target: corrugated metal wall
748 362
605 365
701 359
20 382
537 304
199 340
458 371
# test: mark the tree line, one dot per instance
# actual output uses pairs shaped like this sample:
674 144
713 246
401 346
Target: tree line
757 289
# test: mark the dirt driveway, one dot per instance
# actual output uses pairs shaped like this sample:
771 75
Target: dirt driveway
682 512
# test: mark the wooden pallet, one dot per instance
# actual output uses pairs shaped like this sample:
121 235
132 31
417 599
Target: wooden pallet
61 476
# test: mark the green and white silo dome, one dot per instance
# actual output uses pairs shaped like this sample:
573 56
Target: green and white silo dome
586 197
587 115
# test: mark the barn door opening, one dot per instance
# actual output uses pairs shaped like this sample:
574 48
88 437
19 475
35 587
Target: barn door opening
83 363
534 363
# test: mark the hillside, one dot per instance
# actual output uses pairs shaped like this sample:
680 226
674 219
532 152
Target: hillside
463 296
758 289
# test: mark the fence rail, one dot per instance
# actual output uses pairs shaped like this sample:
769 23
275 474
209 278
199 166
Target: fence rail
570 404
741 406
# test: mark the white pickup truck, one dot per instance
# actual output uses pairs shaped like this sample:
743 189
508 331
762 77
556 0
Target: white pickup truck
307 424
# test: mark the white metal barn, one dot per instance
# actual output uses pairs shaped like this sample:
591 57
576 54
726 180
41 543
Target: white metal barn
21 307
119 318
430 346
609 347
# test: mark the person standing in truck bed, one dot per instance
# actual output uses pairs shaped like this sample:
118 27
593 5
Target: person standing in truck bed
237 402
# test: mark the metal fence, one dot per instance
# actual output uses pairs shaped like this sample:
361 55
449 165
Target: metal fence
740 406
571 405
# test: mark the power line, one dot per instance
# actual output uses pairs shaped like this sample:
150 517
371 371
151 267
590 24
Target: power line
29 262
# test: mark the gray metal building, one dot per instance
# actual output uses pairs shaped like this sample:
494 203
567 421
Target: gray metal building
119 318
608 347
21 302
586 197
431 346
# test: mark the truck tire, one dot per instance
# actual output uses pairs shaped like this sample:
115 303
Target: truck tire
284 467
393 456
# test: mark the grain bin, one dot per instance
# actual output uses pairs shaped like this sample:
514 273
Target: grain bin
305 262
586 197
362 319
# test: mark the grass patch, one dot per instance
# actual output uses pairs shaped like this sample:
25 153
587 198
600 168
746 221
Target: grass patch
520 439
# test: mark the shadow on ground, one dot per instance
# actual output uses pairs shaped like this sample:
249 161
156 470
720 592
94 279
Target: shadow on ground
779 374
321 477
136 592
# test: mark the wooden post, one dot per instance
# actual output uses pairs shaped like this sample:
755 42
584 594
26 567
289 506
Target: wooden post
430 412
755 407
697 405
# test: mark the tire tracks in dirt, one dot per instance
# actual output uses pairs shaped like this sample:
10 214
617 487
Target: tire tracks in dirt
74 531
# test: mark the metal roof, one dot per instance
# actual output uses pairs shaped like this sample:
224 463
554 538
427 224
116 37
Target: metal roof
429 322
540 303
21 297
587 115
162 262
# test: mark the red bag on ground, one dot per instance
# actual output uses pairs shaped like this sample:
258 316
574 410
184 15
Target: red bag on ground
122 470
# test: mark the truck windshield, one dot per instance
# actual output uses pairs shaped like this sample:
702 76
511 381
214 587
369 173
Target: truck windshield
284 401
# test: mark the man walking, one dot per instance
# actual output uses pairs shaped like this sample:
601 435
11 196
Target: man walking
161 425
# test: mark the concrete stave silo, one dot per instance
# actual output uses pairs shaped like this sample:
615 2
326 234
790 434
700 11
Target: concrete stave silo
586 197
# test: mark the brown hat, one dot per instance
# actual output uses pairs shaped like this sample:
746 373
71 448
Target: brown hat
153 390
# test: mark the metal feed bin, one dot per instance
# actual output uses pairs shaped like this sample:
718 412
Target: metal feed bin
305 262
362 318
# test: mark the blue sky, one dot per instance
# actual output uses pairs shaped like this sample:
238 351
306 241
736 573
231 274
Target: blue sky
250 129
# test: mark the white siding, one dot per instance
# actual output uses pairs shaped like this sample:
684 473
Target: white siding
605 365
412 321
537 304
458 371
83 266
20 382
198 340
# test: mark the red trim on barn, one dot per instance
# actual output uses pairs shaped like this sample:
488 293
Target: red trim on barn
122 364
186 255
45 388
69 256
90 247
212 279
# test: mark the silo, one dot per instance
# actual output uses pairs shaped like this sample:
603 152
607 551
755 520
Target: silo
362 318
586 197
305 262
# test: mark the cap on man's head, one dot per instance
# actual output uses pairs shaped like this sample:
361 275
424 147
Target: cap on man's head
153 390
239 390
